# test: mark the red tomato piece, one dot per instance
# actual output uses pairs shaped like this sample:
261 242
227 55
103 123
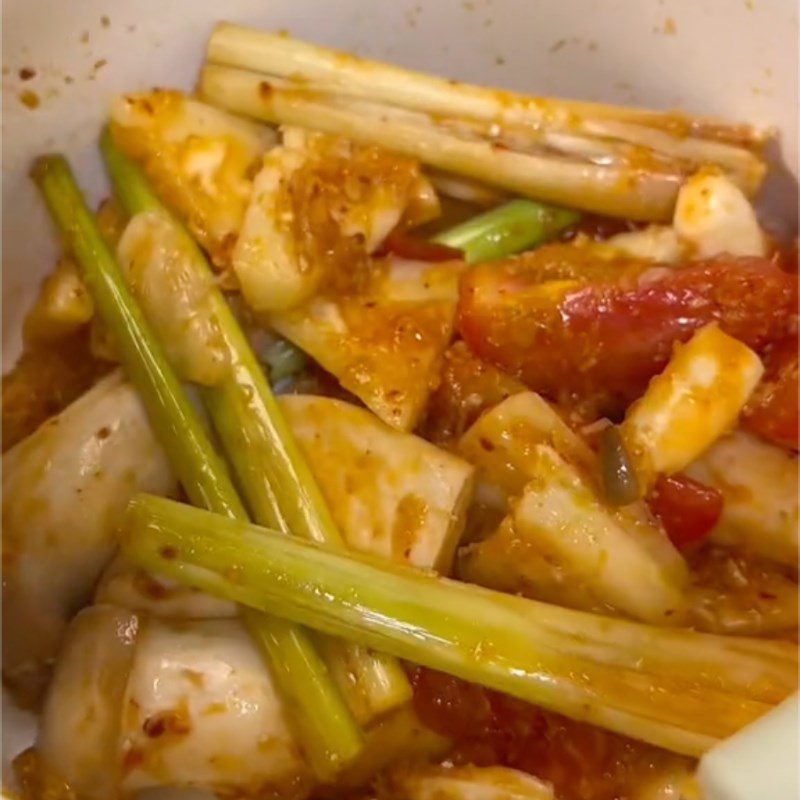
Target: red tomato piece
580 327
414 248
773 409
688 510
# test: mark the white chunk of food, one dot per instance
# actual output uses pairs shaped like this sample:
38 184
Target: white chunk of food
392 494
128 586
140 703
687 407
62 306
64 488
559 542
625 562
464 783
758 483
201 710
713 216
386 343
79 732
199 158
157 261
320 205
654 243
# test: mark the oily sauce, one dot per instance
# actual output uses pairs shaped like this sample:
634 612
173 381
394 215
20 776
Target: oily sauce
582 761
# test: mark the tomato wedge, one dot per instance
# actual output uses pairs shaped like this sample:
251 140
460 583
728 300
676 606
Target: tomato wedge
688 510
773 409
582 327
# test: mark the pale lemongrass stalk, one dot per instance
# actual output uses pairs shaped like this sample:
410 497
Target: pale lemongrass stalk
633 193
331 70
677 689
275 479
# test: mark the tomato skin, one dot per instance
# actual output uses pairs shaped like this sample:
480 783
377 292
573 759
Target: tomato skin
688 510
773 409
598 332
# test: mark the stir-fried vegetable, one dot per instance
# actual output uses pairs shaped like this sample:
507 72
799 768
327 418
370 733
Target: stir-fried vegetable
331 737
688 406
391 493
164 703
713 215
758 483
63 490
62 307
678 689
320 206
175 422
384 343
506 230
468 387
576 326
200 158
599 158
276 481
560 542
657 243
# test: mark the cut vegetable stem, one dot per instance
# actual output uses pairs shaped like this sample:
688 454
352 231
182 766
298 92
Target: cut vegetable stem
331 736
274 476
617 190
178 427
677 689
511 228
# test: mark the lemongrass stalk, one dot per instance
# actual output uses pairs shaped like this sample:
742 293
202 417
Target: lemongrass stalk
273 474
630 192
331 70
177 425
513 227
677 689
331 736
465 189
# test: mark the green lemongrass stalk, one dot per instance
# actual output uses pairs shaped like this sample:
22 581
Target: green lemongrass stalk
511 228
329 733
677 689
625 191
180 431
274 477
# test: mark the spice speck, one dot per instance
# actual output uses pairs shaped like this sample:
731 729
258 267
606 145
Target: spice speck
29 99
